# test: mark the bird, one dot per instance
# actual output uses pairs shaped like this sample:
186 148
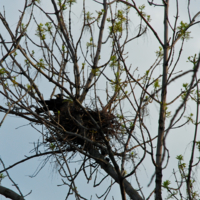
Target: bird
52 104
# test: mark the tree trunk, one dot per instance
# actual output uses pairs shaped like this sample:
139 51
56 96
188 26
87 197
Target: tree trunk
161 128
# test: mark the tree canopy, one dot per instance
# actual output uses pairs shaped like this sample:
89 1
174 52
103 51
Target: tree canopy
83 76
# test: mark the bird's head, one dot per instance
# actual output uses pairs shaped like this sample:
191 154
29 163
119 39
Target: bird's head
59 96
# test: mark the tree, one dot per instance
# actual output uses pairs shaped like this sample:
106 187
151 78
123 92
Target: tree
101 113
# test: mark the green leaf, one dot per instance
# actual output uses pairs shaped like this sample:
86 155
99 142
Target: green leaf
40 31
95 71
159 53
52 146
179 157
3 71
182 31
198 145
113 61
41 64
89 17
166 184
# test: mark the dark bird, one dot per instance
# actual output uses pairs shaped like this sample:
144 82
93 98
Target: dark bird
52 104
107 159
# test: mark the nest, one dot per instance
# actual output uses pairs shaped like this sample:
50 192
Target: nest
75 120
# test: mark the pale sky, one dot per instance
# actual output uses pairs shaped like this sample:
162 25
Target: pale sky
142 54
